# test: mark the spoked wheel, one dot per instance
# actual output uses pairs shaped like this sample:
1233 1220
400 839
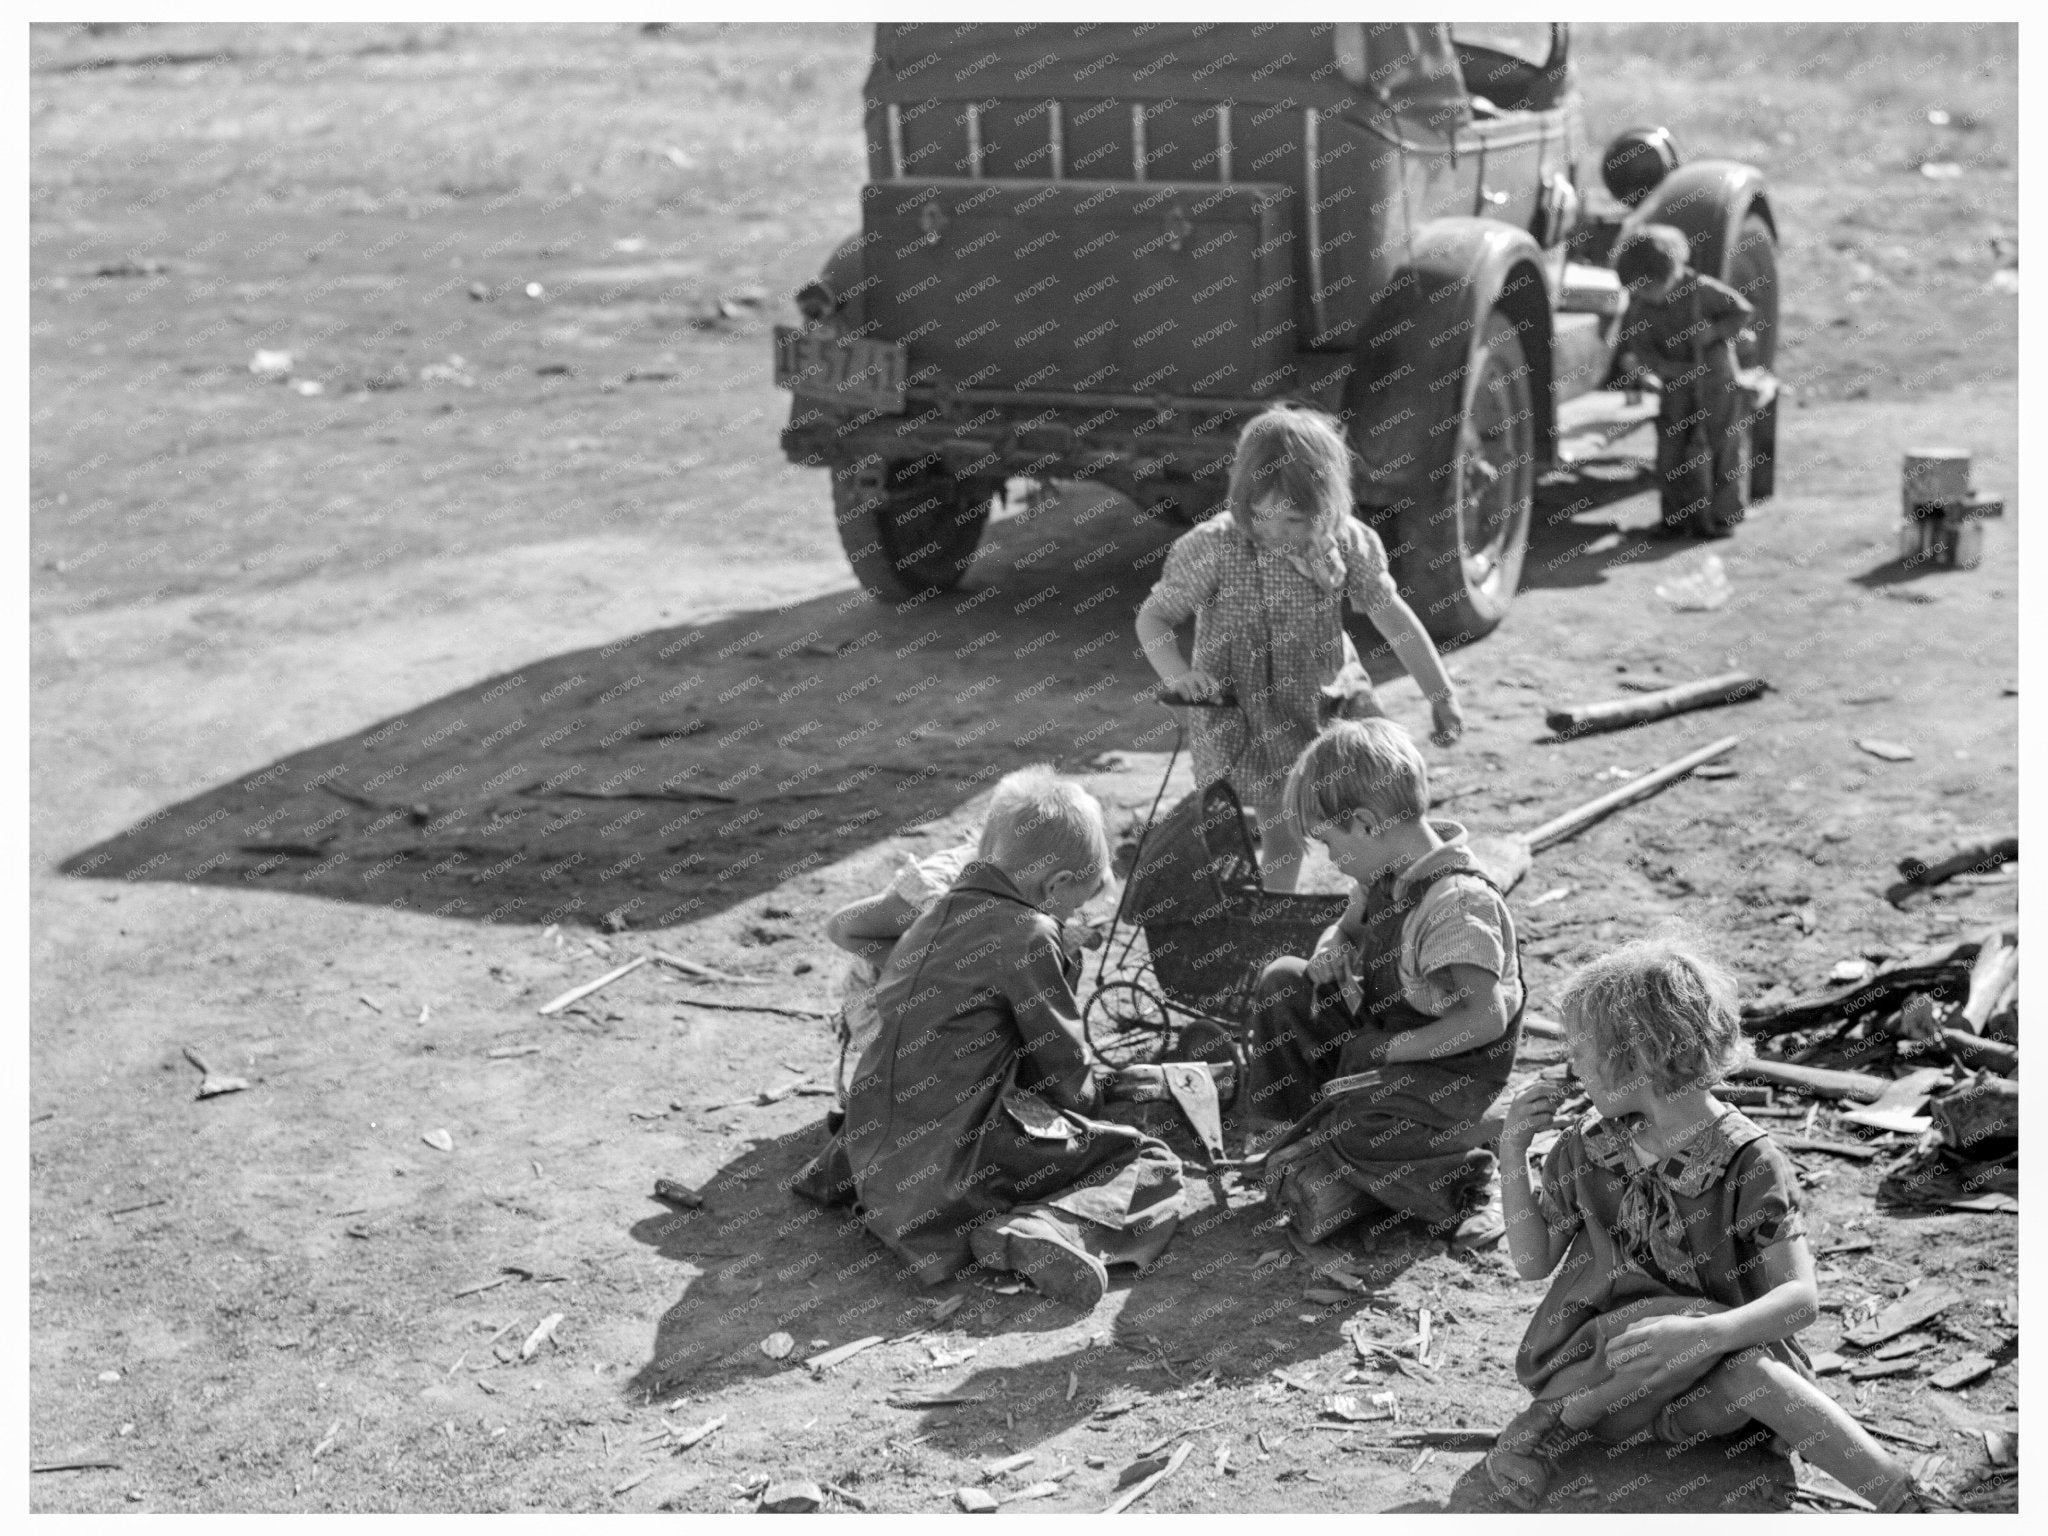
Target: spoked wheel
1464 557
1127 1024
1752 271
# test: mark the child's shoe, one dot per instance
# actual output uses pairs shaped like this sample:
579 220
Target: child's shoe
1483 1225
1519 1463
1055 1266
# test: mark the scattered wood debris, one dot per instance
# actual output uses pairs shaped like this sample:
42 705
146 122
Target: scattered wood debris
211 1083
577 994
543 1331
799 1496
1145 1485
832 1357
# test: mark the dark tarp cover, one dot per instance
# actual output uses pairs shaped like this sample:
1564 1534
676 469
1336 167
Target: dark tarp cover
1409 67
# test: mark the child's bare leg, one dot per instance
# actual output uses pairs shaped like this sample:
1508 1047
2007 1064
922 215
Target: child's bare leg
1754 1385
1282 852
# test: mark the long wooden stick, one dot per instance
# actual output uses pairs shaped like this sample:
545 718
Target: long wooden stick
1558 828
1613 714
577 994
1824 1082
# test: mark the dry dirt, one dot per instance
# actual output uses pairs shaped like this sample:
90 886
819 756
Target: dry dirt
278 817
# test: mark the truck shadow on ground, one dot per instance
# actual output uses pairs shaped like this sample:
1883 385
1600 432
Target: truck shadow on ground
669 775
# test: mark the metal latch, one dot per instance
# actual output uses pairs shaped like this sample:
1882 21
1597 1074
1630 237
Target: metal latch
932 220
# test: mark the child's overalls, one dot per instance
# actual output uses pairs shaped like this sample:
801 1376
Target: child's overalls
1413 1136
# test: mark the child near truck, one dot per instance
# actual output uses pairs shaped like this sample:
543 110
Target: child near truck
1680 326
1265 582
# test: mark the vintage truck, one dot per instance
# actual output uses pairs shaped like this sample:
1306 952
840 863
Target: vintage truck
1093 251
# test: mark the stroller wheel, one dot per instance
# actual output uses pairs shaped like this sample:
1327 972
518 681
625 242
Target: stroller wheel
1126 1023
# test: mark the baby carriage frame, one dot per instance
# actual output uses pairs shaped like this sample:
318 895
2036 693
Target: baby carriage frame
1210 927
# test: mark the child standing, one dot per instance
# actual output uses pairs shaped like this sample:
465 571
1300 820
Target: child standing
970 1138
1686 1273
1681 326
1389 1046
1265 582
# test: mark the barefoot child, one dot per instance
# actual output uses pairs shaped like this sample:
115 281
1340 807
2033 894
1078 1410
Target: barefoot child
1265 582
969 1136
1686 1273
1390 1045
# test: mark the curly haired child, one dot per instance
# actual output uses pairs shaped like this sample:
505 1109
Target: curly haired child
1686 1275
1265 582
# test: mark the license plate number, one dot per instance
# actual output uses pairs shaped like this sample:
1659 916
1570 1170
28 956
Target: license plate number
846 370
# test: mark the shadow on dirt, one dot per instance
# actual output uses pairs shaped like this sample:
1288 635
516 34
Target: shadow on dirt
1566 552
1226 1298
1736 1475
670 775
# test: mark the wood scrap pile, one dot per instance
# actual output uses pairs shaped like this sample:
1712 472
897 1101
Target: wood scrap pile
1919 1058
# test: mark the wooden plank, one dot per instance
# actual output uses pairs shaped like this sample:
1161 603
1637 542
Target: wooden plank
1960 1373
1824 1082
1925 1301
1616 714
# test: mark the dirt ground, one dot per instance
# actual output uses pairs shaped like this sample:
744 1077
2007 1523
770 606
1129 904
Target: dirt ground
356 715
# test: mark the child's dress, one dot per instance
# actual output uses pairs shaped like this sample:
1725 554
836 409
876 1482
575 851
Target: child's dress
1692 1225
1270 626
919 883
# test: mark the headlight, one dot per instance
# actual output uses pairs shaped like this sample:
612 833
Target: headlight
1636 162
814 301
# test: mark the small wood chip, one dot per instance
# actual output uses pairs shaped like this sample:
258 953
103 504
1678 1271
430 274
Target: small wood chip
778 1346
1427 1454
507 1052
482 1285
545 1330
1876 1368
685 1438
327 1441
832 1357
633 1482
1890 751
1138 1490
440 1141
1007 1464
1902 1436
975 1501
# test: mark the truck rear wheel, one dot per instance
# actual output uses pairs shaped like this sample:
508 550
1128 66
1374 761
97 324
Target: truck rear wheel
1753 273
1463 551
909 533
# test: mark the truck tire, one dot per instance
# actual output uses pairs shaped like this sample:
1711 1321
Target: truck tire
1753 272
909 533
1461 557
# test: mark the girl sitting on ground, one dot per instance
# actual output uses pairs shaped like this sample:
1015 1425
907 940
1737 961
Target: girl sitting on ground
1686 1273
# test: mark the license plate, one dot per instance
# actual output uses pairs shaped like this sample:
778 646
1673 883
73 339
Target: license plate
846 370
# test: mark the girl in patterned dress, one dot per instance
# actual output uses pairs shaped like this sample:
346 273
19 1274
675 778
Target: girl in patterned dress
1265 582
1683 1274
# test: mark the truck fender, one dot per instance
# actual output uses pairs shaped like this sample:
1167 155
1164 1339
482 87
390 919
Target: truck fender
1707 202
1408 372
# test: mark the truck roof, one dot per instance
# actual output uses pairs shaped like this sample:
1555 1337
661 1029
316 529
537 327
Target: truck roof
1410 65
